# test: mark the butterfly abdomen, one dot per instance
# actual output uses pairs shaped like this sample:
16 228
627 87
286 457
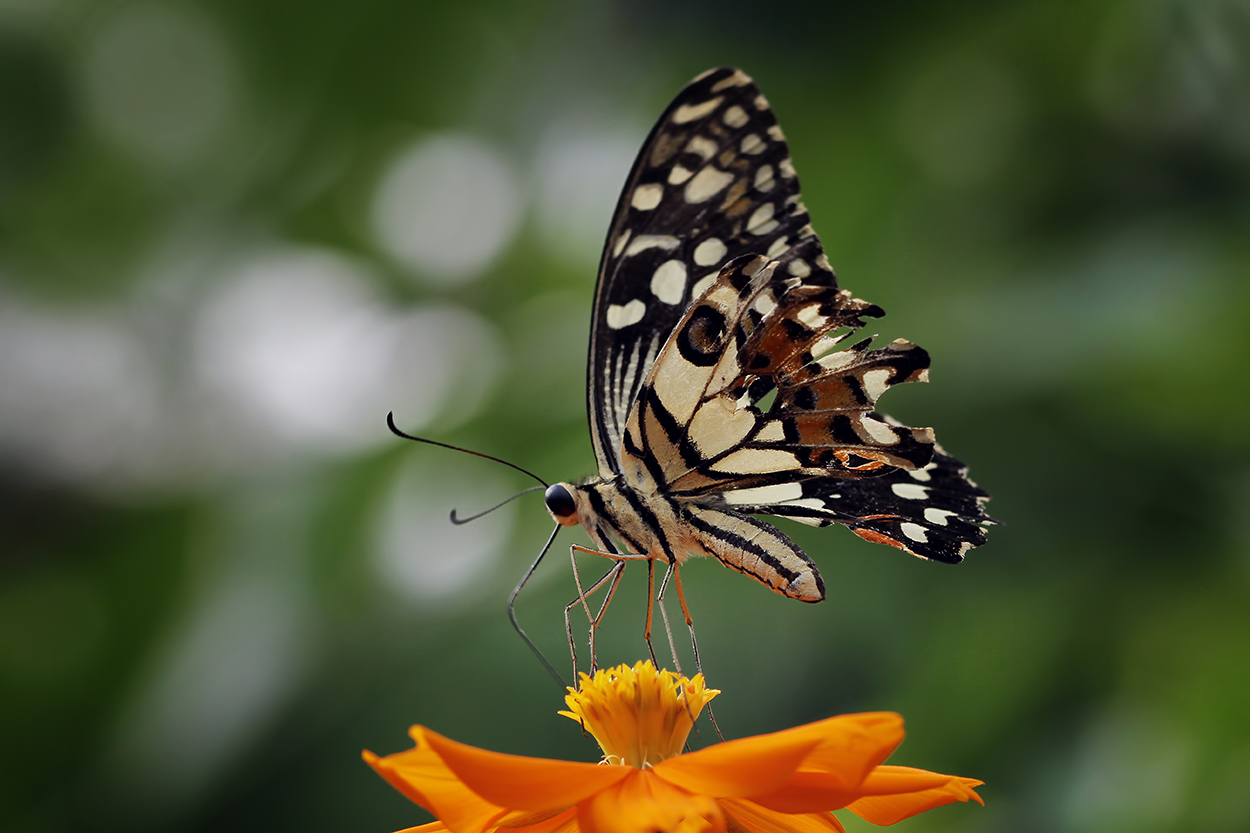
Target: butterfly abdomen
755 548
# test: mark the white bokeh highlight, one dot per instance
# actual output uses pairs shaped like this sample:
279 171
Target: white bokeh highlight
81 398
298 346
419 556
446 207
578 177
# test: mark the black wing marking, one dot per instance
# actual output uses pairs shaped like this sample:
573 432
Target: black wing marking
712 182
934 512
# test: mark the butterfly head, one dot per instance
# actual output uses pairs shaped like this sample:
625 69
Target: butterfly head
562 504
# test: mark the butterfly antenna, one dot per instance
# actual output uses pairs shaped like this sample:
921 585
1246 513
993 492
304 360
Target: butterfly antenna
390 423
551 669
458 521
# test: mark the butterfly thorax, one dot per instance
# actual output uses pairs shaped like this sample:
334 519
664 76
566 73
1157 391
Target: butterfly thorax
660 526
644 522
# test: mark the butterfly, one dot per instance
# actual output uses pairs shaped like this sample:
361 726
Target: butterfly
718 386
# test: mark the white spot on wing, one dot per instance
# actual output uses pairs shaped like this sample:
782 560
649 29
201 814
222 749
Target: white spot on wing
922 474
620 243
937 516
690 112
706 184
669 281
752 144
910 491
758 461
678 175
762 221
879 431
651 241
735 116
766 494
834 361
772 432
764 178
810 315
775 132
875 382
710 252
738 79
779 245
702 146
916 532
799 268
787 168
622 315
647 197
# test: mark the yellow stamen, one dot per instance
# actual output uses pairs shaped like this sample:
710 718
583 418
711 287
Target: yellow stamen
639 715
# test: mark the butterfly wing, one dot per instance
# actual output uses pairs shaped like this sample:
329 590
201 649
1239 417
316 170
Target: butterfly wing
747 405
712 182
933 512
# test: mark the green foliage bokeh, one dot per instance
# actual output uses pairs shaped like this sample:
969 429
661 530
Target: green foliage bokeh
1053 198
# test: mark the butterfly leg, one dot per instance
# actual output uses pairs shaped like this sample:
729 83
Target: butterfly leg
681 598
646 633
675 573
668 630
618 570
612 578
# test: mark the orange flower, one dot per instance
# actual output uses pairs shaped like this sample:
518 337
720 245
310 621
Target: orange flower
785 782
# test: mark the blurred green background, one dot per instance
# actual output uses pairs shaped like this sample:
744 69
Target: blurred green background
233 235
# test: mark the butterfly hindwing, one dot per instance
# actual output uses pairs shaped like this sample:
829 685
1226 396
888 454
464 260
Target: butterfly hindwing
934 512
712 182
697 428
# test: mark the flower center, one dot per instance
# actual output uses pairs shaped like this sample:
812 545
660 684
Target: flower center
639 715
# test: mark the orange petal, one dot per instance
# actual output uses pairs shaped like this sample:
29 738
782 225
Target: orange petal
853 744
810 792
847 747
563 821
529 819
741 768
893 793
518 782
432 827
425 779
752 818
644 803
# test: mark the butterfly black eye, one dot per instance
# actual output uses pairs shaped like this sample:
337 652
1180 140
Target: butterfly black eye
559 501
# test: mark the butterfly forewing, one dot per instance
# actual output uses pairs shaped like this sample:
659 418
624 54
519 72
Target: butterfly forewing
712 182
